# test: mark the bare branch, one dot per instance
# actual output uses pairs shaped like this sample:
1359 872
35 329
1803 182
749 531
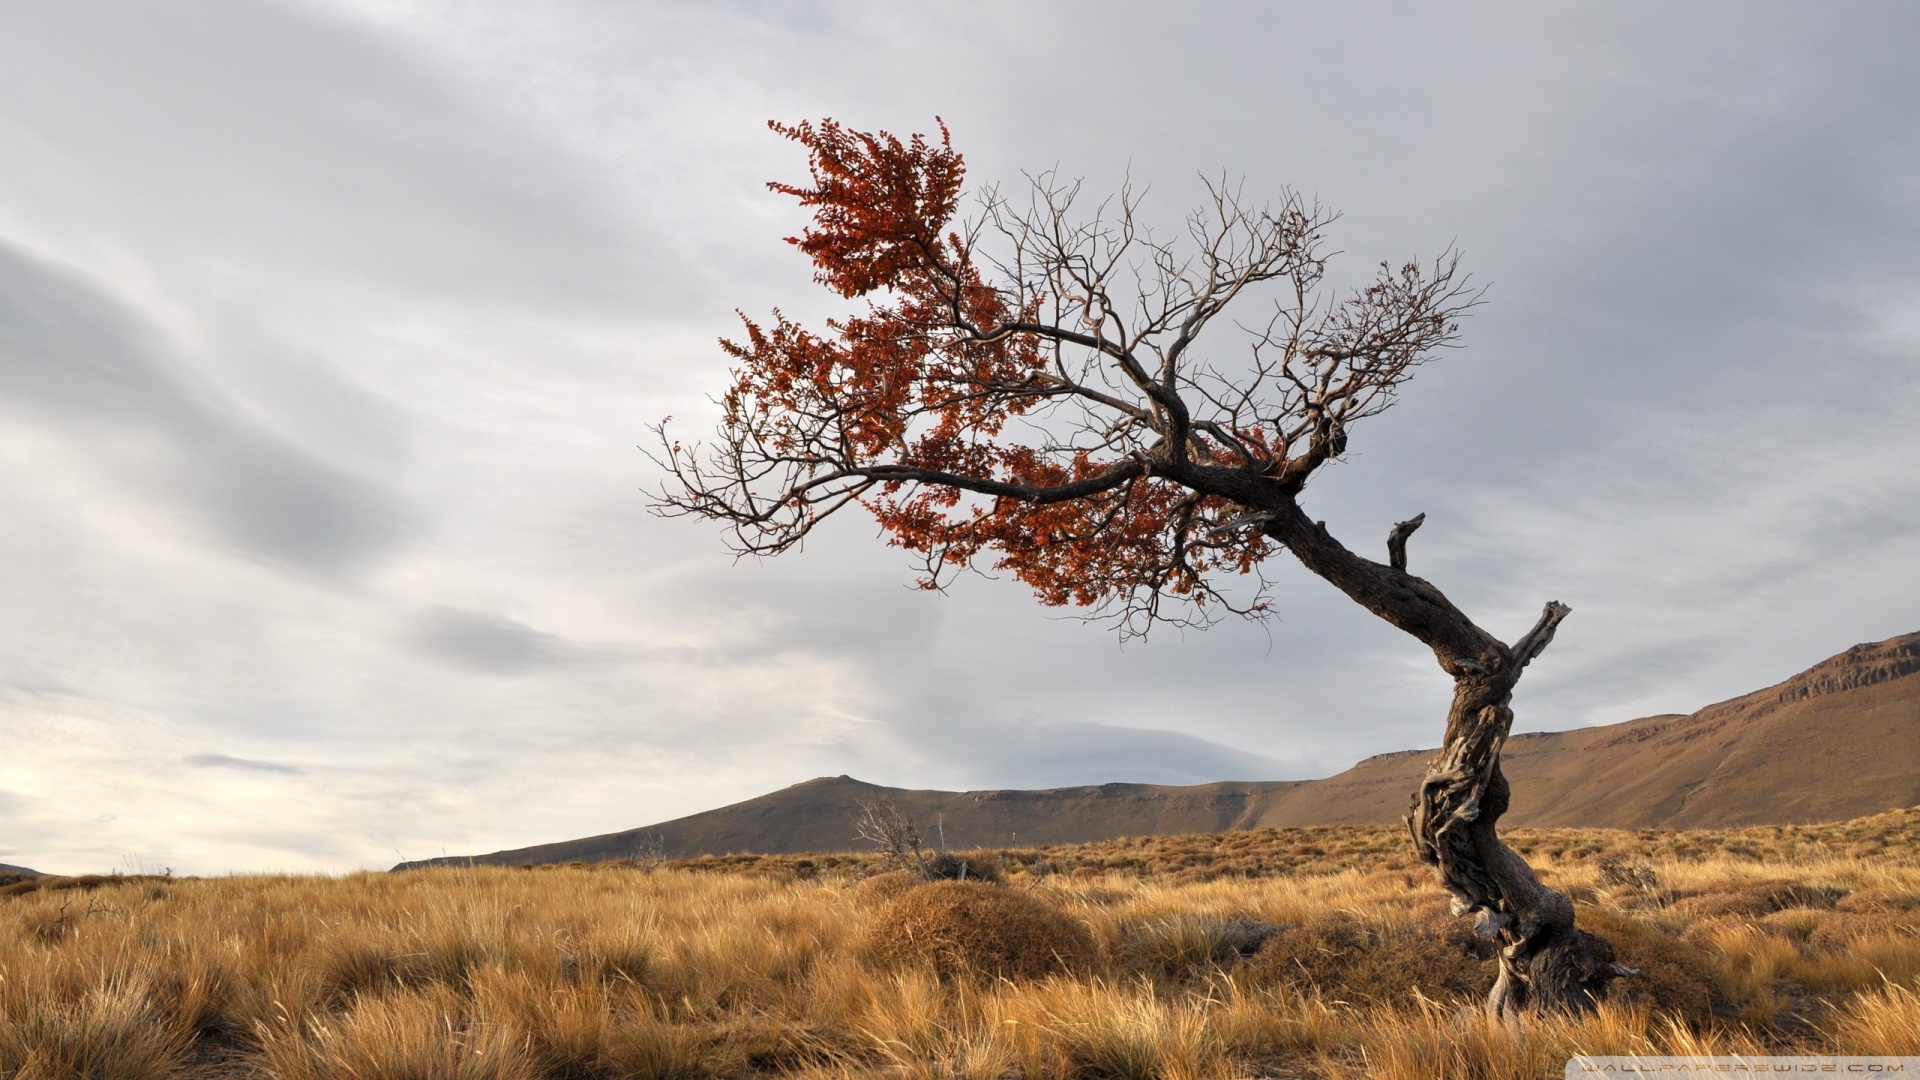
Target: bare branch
1397 541
882 824
1536 640
1233 525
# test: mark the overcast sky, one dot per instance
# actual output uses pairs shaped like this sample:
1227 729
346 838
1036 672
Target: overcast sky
328 332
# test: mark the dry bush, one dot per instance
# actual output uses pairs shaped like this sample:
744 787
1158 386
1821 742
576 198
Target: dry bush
947 866
1346 958
1190 946
113 1031
1099 1029
1874 900
882 888
964 927
1795 924
1433 1040
395 1037
1617 873
19 885
1752 899
1841 929
1677 977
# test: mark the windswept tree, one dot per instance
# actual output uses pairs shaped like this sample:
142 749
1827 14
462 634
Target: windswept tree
1048 389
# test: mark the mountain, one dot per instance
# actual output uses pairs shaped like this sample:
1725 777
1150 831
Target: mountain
816 816
1839 740
21 871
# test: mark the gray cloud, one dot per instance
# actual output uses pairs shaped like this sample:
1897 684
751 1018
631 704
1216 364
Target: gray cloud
281 127
222 761
69 353
488 644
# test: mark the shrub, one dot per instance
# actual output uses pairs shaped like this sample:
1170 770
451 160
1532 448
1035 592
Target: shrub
1843 928
83 883
1676 975
1870 900
881 888
1886 1021
1617 873
1184 946
972 928
1753 899
946 867
1346 959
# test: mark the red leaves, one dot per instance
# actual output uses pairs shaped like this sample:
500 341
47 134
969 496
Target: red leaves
907 380
1046 403
929 381
878 204
1136 539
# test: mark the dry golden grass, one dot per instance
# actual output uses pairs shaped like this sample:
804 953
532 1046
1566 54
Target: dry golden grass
1786 940
970 928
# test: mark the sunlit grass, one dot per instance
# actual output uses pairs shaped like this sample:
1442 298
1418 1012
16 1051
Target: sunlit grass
608 971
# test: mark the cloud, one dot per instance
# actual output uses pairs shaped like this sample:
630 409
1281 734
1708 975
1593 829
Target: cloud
488 644
72 356
282 129
222 761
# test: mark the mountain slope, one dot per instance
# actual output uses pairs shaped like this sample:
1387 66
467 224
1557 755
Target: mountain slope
817 816
1839 740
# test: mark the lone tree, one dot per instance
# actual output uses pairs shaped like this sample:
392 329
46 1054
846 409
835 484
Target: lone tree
1025 389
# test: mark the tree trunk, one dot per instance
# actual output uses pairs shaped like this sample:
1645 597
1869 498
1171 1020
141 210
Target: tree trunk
1546 962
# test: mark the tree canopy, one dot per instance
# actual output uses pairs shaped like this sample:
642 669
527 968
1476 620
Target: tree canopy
1037 386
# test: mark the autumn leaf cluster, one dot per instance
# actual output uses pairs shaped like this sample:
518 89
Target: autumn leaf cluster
927 381
1024 389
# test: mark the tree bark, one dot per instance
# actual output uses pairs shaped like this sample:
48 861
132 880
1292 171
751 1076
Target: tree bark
1546 963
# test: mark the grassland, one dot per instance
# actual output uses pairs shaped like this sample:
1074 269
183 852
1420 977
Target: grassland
1777 939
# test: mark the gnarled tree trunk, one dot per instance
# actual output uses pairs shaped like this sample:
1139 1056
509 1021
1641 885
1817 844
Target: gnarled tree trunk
1545 961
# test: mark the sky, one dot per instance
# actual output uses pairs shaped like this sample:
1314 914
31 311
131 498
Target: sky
329 332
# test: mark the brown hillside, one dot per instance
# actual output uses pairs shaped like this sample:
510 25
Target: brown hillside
1839 740
817 816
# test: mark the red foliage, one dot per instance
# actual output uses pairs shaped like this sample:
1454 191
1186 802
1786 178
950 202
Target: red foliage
929 378
879 205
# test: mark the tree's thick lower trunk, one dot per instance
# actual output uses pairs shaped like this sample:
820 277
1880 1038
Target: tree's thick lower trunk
1546 962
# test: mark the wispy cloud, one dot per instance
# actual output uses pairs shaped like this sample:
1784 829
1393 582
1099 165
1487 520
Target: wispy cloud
222 761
